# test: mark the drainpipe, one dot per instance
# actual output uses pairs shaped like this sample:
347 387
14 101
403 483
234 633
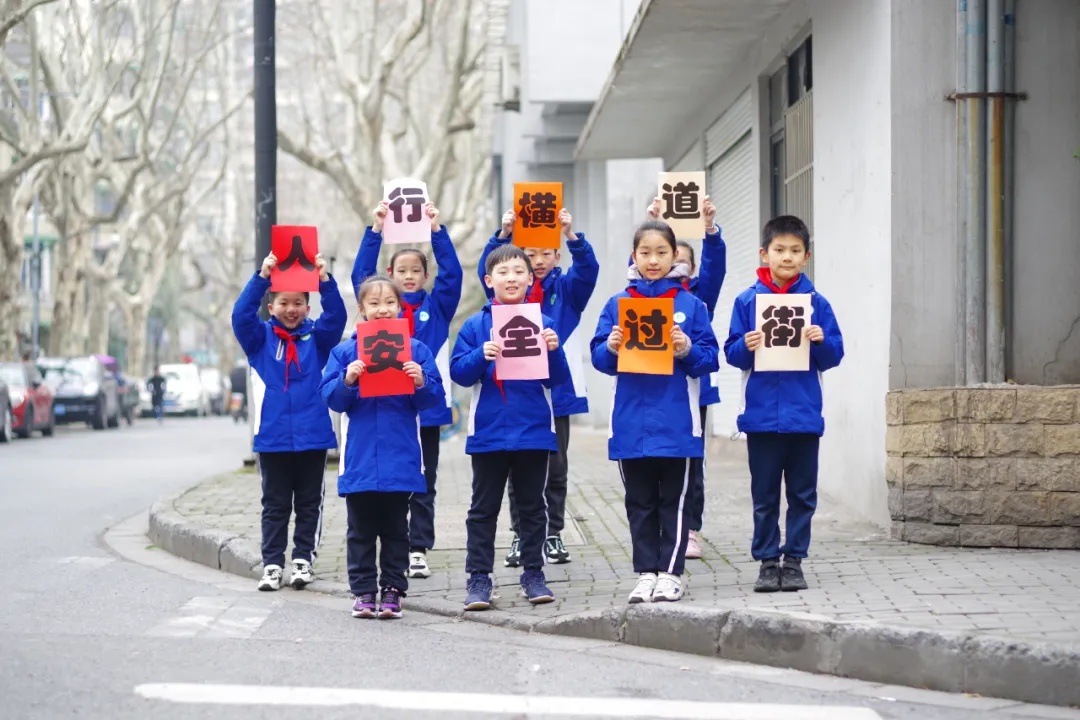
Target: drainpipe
1009 164
975 198
995 193
961 189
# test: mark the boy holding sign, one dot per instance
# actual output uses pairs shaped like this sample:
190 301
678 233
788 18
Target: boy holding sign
511 426
380 463
563 297
782 412
292 428
655 338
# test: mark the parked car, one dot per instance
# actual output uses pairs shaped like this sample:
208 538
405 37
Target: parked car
184 391
129 397
216 390
6 431
30 399
83 391
146 400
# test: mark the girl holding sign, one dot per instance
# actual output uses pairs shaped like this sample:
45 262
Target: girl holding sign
380 456
656 339
429 315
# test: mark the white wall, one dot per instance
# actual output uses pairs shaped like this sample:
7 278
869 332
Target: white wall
852 215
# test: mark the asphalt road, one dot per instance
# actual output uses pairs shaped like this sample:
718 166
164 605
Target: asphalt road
96 623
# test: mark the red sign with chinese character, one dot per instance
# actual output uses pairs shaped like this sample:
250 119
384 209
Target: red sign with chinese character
384 346
295 247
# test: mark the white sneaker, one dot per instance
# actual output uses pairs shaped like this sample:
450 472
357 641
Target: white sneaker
693 546
271 579
668 588
643 591
301 574
418 567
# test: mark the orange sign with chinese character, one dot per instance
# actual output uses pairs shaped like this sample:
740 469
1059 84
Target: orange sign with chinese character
646 325
536 214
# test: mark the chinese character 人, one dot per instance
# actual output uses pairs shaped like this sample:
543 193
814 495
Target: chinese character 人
646 332
681 201
537 209
296 255
384 348
413 197
783 326
521 338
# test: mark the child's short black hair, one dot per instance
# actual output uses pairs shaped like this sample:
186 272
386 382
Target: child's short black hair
785 225
273 297
655 226
405 251
506 253
690 249
373 282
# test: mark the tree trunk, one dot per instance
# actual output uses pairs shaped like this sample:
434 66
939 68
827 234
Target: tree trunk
97 317
65 336
136 316
10 278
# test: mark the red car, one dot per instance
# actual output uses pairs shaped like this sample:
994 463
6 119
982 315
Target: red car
31 399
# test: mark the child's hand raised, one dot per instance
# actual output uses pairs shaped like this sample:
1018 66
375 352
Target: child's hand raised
550 338
754 339
433 213
814 334
415 372
320 265
268 264
653 211
679 341
565 220
708 212
353 371
491 350
378 215
614 340
507 224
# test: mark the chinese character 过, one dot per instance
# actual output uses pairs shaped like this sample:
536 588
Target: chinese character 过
681 202
521 338
384 348
296 255
783 326
646 332
413 197
537 209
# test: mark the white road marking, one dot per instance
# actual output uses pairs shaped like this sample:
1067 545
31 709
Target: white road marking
482 703
88 562
216 618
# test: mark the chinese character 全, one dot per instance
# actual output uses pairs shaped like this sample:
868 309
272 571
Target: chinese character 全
783 326
681 202
537 209
521 338
646 332
384 348
296 255
413 197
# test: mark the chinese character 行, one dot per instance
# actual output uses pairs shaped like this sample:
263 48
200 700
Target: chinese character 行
681 202
537 209
413 197
296 255
521 338
783 326
384 348
646 332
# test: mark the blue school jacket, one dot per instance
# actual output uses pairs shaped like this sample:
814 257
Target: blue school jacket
783 402
516 416
293 418
706 286
380 436
433 311
565 297
658 415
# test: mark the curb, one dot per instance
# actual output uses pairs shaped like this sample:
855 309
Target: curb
1027 671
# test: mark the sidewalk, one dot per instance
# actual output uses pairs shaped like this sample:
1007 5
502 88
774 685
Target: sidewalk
931 607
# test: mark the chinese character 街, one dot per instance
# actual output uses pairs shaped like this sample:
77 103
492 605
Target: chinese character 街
646 332
385 348
537 209
413 197
522 338
783 326
296 255
681 201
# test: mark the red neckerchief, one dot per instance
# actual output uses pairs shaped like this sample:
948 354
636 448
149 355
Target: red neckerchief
667 294
536 293
291 355
408 311
765 276
686 284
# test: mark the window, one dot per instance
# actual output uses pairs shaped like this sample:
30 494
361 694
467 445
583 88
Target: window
791 144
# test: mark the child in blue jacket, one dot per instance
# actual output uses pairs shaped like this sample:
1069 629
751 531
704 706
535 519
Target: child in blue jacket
706 285
564 297
655 423
782 410
381 461
293 431
429 316
511 434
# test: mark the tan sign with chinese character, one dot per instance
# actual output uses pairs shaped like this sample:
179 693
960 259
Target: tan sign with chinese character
783 319
682 195
536 214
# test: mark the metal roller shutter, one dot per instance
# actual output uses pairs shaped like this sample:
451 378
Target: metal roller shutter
692 160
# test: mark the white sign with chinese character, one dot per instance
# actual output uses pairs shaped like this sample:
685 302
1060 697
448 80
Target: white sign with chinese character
406 221
783 319
682 195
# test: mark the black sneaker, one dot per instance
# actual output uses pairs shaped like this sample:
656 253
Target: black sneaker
768 579
555 551
513 558
791 576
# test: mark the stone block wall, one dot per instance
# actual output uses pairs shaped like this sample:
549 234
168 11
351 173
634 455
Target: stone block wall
988 466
